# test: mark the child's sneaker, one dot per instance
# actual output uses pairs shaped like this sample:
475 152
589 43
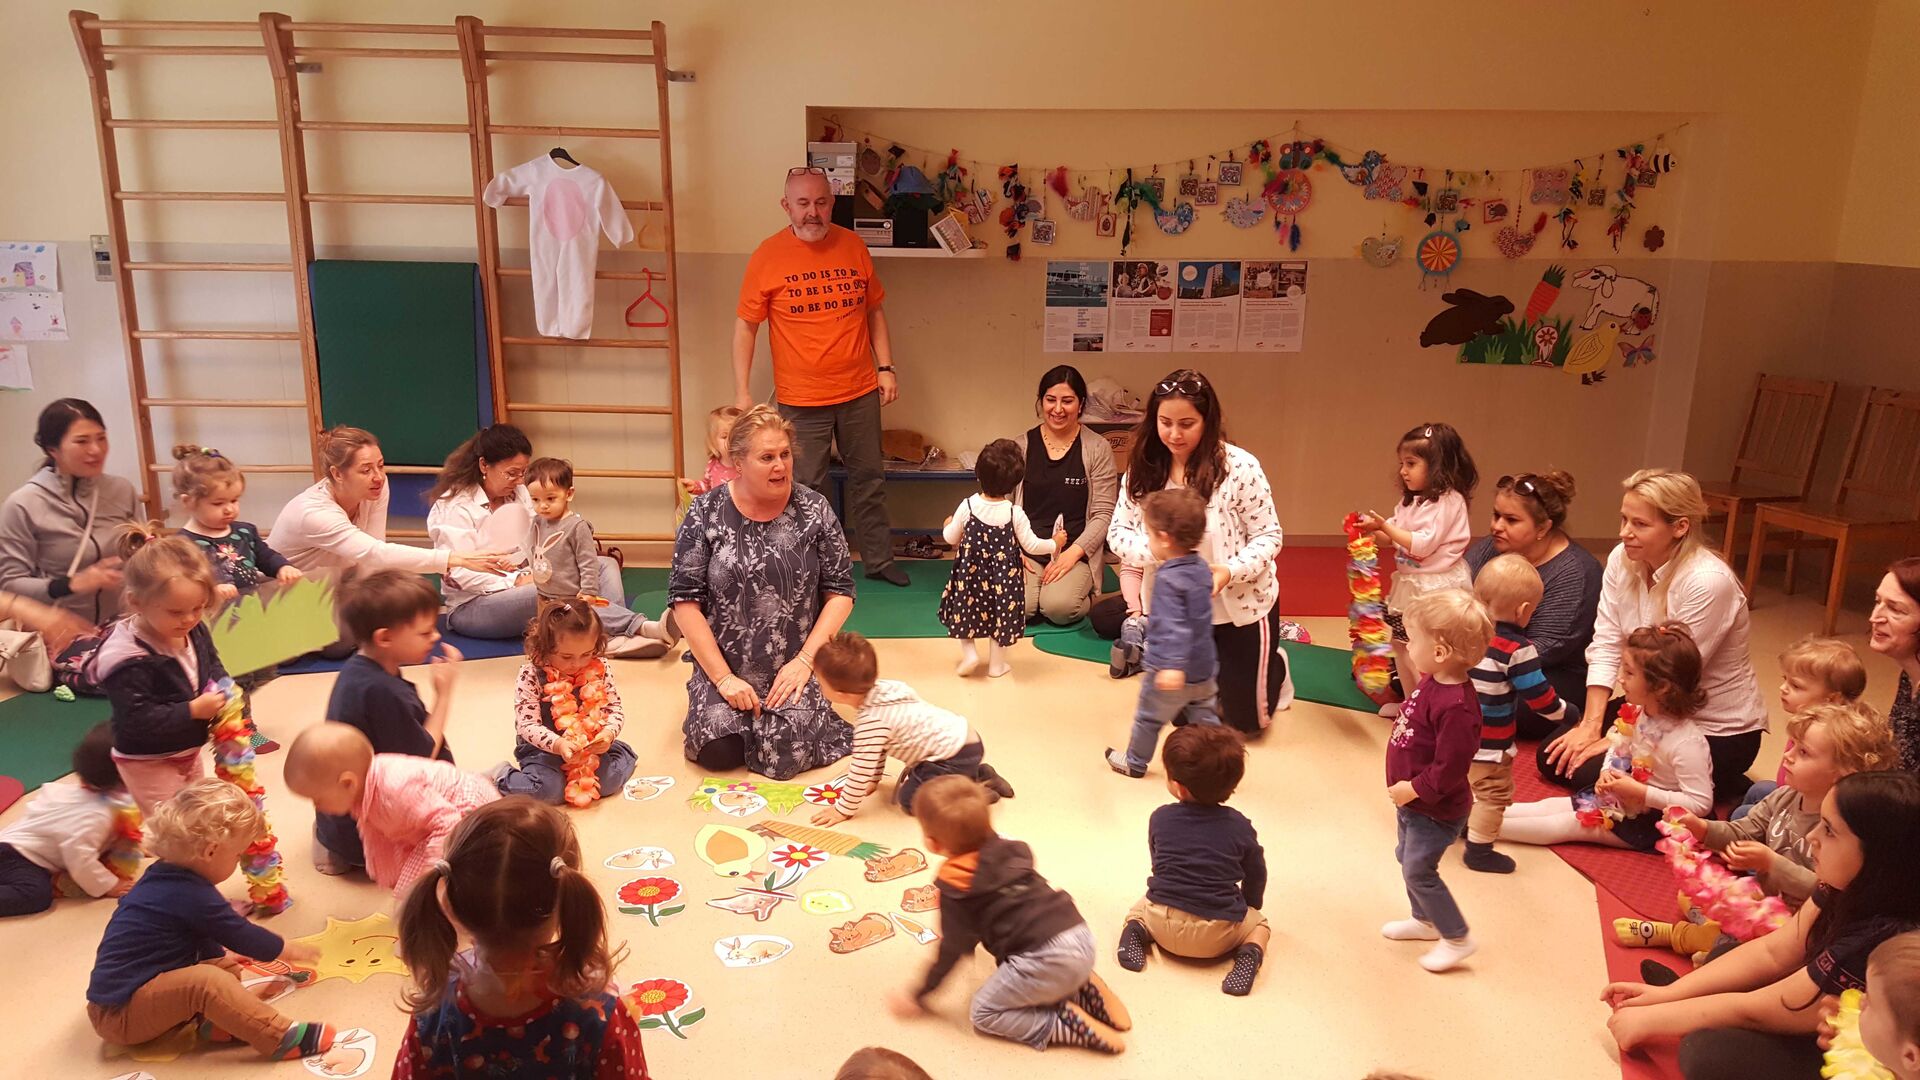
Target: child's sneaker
1101 1003
1483 858
1123 659
1410 930
1117 761
1448 953
1072 1026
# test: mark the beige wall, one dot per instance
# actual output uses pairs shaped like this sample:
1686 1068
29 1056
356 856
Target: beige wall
1134 82
1882 224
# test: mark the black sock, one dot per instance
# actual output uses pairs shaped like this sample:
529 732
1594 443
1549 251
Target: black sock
995 783
1134 940
1246 964
1654 973
1483 858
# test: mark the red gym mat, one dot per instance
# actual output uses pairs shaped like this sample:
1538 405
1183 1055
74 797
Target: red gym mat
10 791
1658 1061
1313 581
1642 881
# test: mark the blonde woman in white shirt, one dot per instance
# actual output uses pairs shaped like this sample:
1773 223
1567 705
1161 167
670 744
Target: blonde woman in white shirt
1663 571
1181 443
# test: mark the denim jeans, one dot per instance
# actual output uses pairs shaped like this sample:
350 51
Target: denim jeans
544 776
505 614
1423 841
1021 998
1760 790
1195 703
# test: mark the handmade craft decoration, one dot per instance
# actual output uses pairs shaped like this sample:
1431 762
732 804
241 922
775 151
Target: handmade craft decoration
1244 211
1019 208
1546 339
1514 242
1494 211
1175 221
750 950
1438 253
651 897
578 705
1380 251
1632 355
1847 1056
1591 354
1655 238
355 950
1288 193
273 624
1090 202
233 762
731 852
1545 292
1551 187
902 863
1231 172
833 841
1367 614
1468 315
1568 222
1373 174
869 929
1635 303
656 1004
1734 901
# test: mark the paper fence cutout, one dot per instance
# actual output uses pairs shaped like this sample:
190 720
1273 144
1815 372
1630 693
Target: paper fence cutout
826 902
351 1055
915 929
356 951
898 865
729 850
751 950
642 788
869 929
640 858
274 623
834 841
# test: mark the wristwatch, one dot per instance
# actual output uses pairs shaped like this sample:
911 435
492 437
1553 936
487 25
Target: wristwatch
884 367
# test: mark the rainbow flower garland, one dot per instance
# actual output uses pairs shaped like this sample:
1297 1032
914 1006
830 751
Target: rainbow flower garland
1847 1056
233 762
123 851
1735 902
1367 615
583 720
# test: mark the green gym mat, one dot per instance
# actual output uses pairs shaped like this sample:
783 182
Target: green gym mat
879 611
400 353
38 733
1320 674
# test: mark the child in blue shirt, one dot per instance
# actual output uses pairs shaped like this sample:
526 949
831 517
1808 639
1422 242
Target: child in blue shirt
1181 664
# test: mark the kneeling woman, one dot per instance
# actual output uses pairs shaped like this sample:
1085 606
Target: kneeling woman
1753 1013
761 579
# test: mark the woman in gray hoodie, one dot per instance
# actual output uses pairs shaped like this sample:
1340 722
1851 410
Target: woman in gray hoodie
56 531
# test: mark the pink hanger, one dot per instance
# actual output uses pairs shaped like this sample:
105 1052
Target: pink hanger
647 297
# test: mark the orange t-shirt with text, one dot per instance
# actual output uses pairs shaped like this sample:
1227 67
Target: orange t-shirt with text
815 299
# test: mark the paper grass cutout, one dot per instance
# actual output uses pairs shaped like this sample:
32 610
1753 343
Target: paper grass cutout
650 897
896 866
351 1055
920 898
751 950
640 858
656 1003
915 929
731 796
826 902
356 951
233 762
1847 1055
730 851
642 788
832 841
274 623
869 929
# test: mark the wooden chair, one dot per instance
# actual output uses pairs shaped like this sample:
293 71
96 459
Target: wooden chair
1780 440
1878 500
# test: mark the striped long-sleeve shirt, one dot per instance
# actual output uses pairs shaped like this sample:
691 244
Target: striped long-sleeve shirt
895 723
1510 673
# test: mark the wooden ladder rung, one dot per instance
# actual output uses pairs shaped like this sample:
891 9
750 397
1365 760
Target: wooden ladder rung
370 28
306 469
413 470
574 132
315 52
635 538
215 335
222 403
369 125
201 196
569 407
111 51
198 125
631 204
567 32
627 474
391 200
162 24
571 57
603 275
261 268
591 343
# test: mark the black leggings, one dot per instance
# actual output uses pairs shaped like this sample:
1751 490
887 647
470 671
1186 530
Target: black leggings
1252 670
24 887
1742 1054
1732 756
724 754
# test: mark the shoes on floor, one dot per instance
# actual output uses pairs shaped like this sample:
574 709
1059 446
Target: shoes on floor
1448 954
891 574
1409 930
1117 761
1123 660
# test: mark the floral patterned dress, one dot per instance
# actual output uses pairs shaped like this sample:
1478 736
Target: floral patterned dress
986 594
761 585
1905 718
586 1038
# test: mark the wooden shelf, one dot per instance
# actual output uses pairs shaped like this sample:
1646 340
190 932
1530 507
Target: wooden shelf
925 253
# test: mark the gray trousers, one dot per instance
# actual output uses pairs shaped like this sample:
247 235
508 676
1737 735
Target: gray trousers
1023 995
855 427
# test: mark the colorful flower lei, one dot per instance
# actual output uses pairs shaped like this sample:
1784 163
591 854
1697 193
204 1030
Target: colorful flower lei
1735 902
579 709
233 762
1367 615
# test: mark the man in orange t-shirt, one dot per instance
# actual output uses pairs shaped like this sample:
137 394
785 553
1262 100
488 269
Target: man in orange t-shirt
832 359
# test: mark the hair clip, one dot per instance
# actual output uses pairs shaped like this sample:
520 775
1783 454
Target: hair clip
442 866
558 864
1427 432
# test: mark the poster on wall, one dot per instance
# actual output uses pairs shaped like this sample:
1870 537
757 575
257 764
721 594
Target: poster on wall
1206 313
1076 319
14 373
32 315
1273 306
29 264
1140 318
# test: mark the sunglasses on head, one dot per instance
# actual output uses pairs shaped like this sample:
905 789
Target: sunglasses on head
1521 484
806 170
1191 387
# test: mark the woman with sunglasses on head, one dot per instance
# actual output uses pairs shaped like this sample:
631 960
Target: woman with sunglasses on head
1182 443
1530 520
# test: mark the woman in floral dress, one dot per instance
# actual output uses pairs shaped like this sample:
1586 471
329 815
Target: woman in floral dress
761 579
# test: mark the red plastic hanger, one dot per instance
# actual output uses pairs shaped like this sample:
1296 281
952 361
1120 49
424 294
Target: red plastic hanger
647 297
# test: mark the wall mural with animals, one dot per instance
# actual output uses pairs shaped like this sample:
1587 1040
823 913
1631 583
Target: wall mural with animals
1619 313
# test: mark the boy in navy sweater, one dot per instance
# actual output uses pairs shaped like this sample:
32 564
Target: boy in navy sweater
1428 756
394 615
1209 872
163 959
1181 663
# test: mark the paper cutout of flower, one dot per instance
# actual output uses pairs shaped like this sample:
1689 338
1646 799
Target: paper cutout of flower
824 794
797 856
653 1003
644 896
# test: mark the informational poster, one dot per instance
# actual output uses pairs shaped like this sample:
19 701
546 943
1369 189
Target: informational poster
1273 306
1076 318
1140 318
1206 312
14 373
32 315
29 264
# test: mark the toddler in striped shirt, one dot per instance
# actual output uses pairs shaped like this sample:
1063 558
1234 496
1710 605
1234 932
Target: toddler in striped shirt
1507 678
893 722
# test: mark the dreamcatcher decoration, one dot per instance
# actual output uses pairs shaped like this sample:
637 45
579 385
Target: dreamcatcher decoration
1367 615
1288 191
1438 253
